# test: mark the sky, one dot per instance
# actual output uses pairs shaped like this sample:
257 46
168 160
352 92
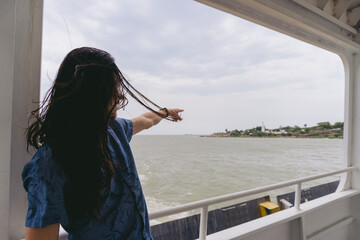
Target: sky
225 72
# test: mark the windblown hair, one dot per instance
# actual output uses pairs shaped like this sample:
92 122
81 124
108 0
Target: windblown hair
73 120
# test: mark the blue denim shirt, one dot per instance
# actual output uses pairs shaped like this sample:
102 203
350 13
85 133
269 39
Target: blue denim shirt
125 212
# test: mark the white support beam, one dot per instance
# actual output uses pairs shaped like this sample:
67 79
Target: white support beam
353 76
353 16
343 18
326 15
351 119
313 2
341 7
20 57
294 20
329 7
321 3
313 20
7 28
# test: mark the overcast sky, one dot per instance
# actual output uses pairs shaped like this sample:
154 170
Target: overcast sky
224 71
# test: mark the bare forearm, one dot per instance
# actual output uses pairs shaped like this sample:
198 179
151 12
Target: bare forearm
150 119
146 121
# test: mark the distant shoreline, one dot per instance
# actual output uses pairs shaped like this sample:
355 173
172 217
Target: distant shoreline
322 130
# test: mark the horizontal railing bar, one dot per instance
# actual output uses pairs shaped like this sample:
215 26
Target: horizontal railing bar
232 196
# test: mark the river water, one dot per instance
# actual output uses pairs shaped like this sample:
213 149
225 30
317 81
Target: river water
179 169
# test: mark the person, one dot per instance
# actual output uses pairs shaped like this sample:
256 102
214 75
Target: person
83 175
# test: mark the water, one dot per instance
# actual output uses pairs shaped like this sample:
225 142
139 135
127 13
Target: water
179 169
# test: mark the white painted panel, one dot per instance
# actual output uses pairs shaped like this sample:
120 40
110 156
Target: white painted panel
354 228
284 231
4 204
340 234
320 219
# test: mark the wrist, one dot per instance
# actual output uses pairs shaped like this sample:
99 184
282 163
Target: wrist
164 112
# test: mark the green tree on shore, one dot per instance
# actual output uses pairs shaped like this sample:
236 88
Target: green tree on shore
338 125
324 125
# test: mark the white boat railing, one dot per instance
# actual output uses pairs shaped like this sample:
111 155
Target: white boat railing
204 204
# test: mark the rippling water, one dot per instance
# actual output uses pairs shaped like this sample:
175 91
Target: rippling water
180 169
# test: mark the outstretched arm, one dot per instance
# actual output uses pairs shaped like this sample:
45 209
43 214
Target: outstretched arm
149 119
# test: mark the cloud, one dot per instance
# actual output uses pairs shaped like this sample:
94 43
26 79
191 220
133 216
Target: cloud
226 72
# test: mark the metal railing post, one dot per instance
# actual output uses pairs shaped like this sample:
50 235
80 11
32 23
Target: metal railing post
203 223
297 196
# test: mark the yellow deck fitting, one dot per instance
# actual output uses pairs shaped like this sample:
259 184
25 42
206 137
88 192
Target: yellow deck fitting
268 208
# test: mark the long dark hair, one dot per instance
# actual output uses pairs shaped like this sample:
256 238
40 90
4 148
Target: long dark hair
73 120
